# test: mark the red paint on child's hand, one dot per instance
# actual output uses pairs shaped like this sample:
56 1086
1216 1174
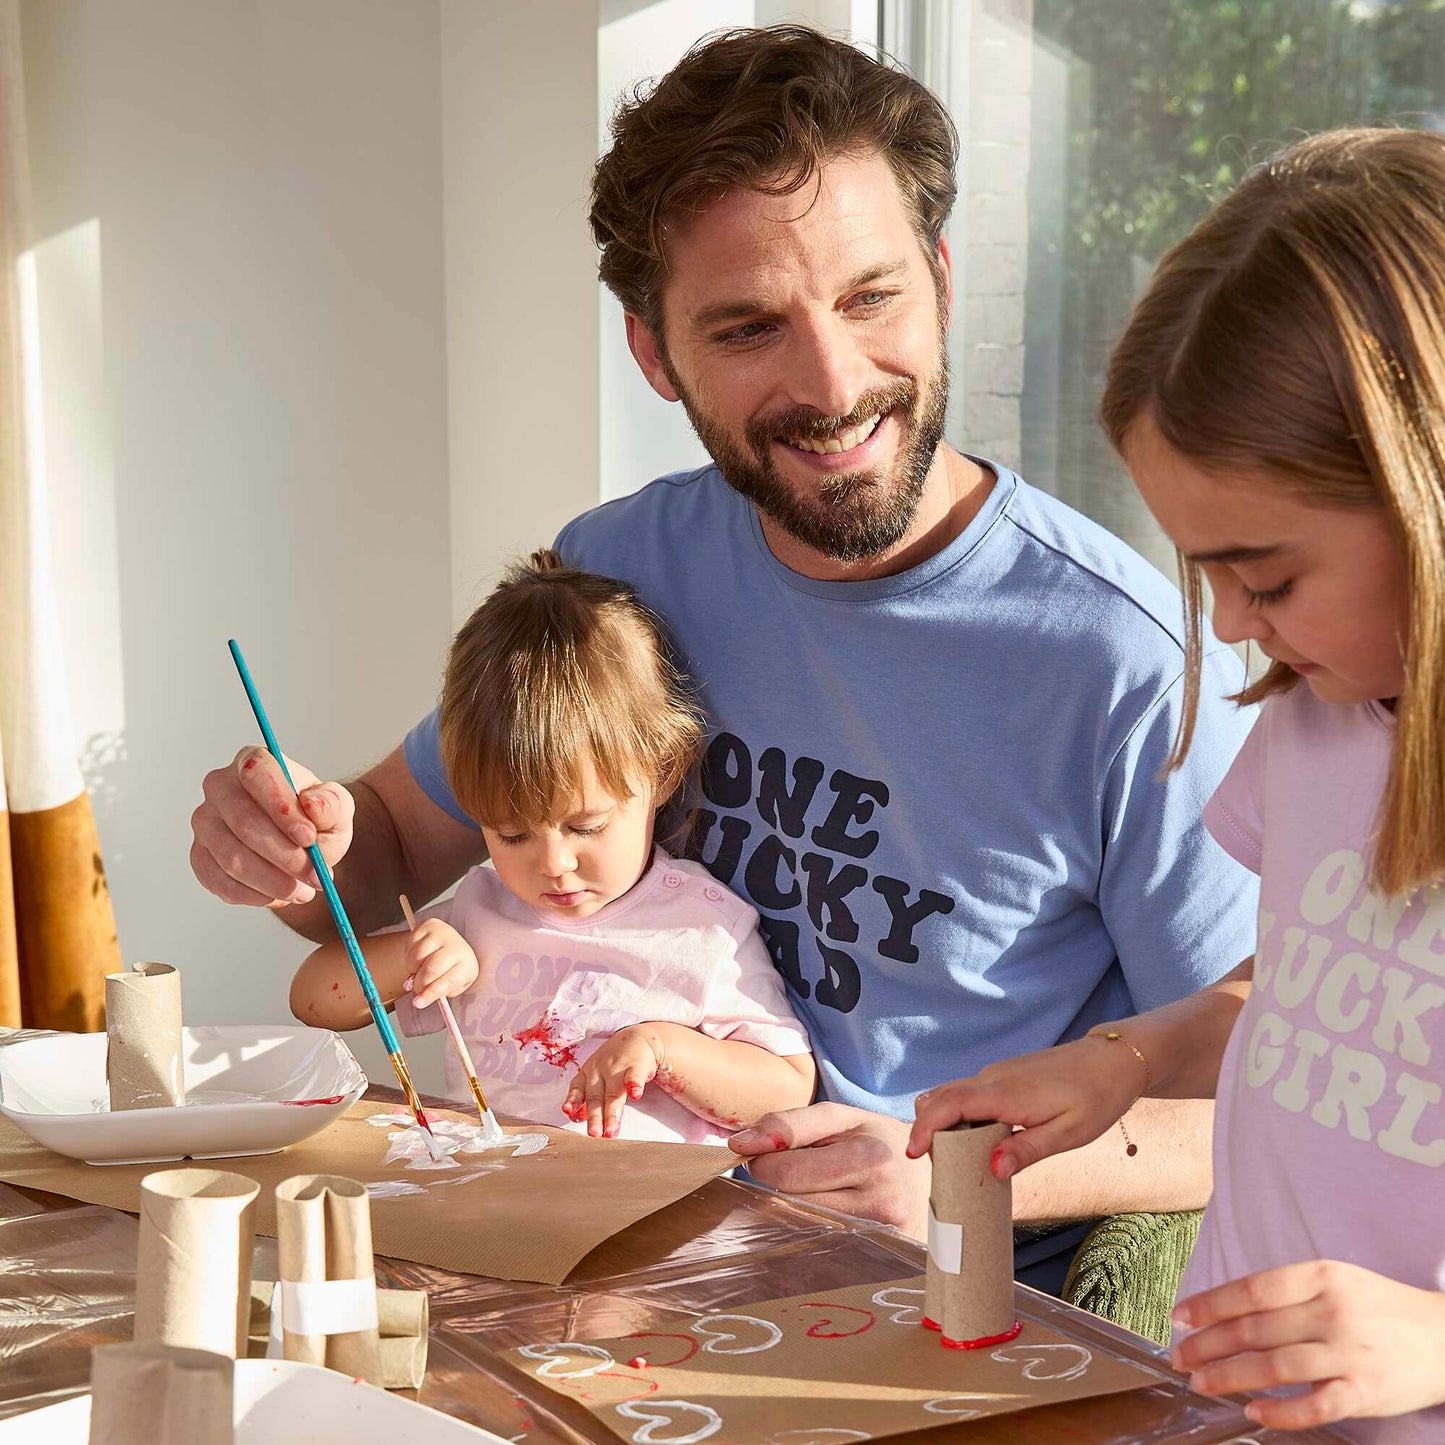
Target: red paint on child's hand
637 1363
634 1092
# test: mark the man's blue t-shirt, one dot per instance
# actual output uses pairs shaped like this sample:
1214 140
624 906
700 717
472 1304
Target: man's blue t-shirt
941 789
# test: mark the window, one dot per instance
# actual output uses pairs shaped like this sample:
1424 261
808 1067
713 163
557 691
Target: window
1095 132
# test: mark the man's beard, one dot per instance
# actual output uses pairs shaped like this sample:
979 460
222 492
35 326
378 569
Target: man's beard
854 515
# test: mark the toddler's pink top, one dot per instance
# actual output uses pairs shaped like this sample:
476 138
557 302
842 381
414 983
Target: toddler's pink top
1329 1140
678 947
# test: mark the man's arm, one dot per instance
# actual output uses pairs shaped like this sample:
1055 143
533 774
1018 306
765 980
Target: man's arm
1172 1169
382 836
853 1161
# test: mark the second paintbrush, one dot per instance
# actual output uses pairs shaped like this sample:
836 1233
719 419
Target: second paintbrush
492 1132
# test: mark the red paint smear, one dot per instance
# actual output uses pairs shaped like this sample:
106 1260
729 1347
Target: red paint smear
637 1363
929 1324
820 1331
993 1161
688 1340
248 765
285 810
543 1033
984 1341
777 1141
301 1103
335 987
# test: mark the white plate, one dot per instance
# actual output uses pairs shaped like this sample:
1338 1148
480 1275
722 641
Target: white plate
250 1089
279 1402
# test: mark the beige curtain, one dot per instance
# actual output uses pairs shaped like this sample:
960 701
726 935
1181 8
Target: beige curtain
57 931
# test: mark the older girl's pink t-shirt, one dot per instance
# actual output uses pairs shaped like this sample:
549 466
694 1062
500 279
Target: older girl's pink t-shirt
677 947
1329 1138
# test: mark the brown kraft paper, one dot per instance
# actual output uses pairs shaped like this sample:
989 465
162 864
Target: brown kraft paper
328 1274
143 1027
193 1267
534 1217
817 1369
969 1285
161 1395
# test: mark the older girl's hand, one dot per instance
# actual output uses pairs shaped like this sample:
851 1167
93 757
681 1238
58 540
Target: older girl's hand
1061 1098
1366 1344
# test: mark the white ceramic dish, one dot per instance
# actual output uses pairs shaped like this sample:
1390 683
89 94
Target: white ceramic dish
250 1089
279 1402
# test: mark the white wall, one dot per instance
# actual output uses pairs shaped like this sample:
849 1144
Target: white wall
320 335
238 215
519 104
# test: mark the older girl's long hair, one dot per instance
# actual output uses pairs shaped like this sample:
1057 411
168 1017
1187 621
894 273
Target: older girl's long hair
558 670
1298 334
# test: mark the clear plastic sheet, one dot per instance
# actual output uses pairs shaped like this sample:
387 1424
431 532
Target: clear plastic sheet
67 1283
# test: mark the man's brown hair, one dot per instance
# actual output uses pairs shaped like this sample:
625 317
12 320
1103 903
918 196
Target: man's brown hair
761 109
555 670
1296 337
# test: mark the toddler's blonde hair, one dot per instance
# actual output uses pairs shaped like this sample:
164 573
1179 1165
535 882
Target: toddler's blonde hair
555 670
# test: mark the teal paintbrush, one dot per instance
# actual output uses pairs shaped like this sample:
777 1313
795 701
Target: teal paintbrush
338 912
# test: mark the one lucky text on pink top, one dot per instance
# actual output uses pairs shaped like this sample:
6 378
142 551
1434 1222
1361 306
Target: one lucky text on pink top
1329 1136
678 948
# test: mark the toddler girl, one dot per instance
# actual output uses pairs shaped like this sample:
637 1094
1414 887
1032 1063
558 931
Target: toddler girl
1279 396
599 982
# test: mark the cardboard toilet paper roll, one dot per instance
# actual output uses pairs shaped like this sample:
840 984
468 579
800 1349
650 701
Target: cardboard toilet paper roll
328 1275
969 1287
403 1319
193 1269
144 1063
161 1395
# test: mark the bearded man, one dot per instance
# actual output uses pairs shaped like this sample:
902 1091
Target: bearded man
940 700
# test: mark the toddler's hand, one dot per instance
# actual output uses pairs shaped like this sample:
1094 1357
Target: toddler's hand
1063 1097
1368 1344
620 1070
440 963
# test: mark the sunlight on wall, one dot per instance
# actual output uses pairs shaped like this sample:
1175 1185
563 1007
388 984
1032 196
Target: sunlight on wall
81 475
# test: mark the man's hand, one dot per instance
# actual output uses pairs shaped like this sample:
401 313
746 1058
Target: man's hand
251 833
1368 1344
440 963
1063 1097
618 1072
842 1158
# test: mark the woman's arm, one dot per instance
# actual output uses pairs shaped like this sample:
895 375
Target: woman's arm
728 1083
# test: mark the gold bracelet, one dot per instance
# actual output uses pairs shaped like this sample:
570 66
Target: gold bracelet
1114 1036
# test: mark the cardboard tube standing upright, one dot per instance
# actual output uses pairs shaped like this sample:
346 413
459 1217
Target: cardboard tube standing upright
143 1060
161 1395
328 1274
193 1269
969 1287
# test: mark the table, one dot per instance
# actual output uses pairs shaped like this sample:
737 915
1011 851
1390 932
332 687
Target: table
67 1283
